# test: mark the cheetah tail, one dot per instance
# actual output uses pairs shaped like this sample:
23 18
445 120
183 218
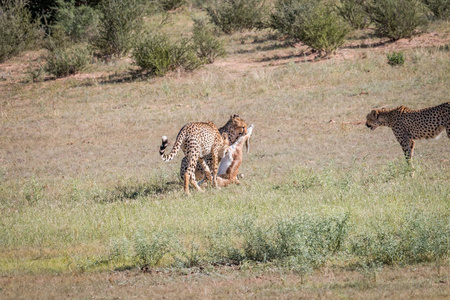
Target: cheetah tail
175 149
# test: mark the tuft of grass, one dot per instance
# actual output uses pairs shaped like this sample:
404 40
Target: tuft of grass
150 250
396 59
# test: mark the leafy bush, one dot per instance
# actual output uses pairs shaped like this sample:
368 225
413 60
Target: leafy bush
67 61
17 30
199 3
311 22
208 46
120 23
395 58
170 4
45 10
78 22
439 8
236 15
396 19
288 16
418 238
158 55
354 13
150 250
307 238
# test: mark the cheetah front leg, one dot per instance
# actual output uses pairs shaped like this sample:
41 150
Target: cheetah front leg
447 128
206 170
408 150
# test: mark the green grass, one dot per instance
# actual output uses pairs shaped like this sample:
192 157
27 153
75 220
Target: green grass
386 201
82 187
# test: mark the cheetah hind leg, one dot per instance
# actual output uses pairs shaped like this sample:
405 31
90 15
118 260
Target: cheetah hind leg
203 173
199 171
189 176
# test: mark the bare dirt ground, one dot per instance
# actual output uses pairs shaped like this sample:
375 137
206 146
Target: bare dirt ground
418 282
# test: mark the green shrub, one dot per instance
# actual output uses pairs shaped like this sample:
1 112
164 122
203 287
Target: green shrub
17 29
120 23
199 3
418 238
312 22
308 238
288 16
208 46
45 10
150 250
67 61
396 19
170 4
354 13
158 55
439 8
236 15
79 23
395 58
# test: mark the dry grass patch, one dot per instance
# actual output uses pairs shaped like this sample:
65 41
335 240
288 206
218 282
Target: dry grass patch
395 283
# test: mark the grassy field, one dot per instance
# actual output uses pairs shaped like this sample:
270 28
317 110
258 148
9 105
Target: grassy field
326 208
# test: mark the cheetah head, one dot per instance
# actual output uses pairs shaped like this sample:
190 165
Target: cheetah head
239 125
237 128
374 119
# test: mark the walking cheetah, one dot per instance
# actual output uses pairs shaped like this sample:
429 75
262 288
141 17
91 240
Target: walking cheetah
409 125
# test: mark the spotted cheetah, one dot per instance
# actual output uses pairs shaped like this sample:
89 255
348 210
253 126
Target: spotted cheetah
409 125
196 139
235 127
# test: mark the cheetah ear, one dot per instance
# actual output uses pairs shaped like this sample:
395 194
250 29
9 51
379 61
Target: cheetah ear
374 114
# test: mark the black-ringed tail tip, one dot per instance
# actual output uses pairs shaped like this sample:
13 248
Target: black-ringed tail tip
163 144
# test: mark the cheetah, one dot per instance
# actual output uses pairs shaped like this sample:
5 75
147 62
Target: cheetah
235 127
196 139
409 125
